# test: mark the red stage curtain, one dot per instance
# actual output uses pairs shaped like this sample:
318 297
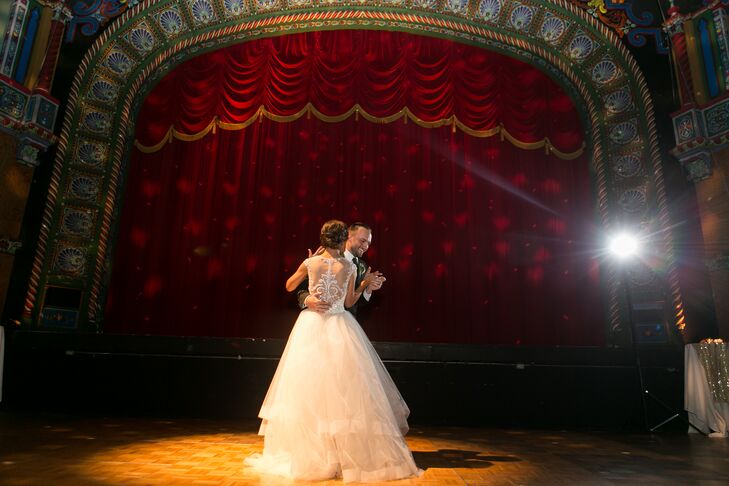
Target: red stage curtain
481 241
383 72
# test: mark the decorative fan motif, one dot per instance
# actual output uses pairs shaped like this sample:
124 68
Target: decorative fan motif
624 132
580 47
627 165
604 72
118 62
91 154
521 17
552 28
618 101
70 260
104 90
142 39
202 11
238 7
457 6
632 200
171 22
266 4
489 9
97 122
84 188
77 222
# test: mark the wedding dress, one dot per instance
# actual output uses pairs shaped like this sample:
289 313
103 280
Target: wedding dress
332 409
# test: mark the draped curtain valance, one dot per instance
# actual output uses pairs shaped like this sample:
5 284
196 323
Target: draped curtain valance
378 76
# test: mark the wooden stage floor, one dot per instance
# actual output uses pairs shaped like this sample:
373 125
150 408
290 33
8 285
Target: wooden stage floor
40 449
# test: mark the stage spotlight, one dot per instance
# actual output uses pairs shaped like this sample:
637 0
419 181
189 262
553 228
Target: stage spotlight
624 246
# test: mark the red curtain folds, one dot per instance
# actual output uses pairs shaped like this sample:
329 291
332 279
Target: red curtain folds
481 241
383 72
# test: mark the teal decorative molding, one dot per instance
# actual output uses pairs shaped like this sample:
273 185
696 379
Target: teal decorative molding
717 119
28 117
91 15
698 133
701 126
686 126
627 20
145 42
13 100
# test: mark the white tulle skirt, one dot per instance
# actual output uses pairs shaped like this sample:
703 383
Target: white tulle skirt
332 409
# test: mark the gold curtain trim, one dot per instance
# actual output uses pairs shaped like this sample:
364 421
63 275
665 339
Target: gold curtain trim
358 112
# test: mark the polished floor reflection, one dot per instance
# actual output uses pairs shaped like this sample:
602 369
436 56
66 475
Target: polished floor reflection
47 449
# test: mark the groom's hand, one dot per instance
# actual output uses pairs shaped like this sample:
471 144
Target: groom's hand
312 303
373 280
377 283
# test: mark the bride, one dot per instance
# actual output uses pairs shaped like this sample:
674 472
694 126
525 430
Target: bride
332 410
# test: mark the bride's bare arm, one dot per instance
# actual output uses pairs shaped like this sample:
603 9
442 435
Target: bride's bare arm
354 294
294 280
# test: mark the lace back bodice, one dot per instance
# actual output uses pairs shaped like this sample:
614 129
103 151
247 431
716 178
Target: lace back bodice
329 279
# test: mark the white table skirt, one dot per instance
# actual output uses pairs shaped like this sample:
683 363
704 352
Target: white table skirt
704 412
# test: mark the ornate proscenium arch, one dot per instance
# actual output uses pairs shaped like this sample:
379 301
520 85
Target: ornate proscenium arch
144 43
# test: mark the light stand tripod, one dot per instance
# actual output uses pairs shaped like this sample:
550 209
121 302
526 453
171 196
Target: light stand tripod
644 392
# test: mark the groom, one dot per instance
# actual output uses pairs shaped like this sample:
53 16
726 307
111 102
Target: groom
358 241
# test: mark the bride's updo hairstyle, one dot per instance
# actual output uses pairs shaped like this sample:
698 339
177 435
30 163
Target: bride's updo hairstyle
333 234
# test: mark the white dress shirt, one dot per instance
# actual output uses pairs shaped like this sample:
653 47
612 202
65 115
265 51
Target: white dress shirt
350 257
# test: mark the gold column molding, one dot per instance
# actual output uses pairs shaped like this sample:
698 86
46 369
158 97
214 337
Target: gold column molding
692 46
47 71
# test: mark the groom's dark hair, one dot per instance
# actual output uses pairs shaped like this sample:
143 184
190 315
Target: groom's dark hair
353 227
